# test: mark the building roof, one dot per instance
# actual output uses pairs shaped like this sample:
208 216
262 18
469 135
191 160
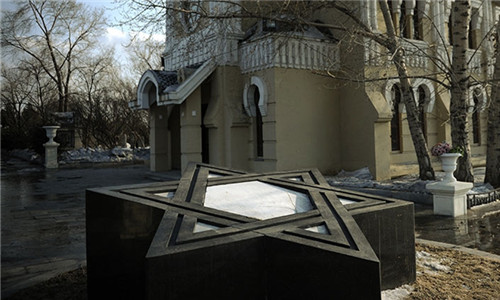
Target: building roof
165 79
172 87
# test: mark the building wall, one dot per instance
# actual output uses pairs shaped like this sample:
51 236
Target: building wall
314 121
225 119
306 129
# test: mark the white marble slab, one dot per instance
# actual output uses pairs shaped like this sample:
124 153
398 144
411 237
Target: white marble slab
319 229
257 200
200 227
346 201
166 194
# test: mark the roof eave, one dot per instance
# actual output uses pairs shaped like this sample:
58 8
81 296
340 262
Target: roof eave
186 88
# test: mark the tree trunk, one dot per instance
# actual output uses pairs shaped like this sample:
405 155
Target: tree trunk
459 88
492 175
426 172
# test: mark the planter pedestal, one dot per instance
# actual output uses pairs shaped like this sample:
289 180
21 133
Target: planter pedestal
449 197
51 148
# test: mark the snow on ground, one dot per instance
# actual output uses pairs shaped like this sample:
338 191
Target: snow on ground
99 155
398 293
88 155
363 179
26 154
429 263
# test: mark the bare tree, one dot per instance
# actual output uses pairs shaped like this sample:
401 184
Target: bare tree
15 97
145 54
93 82
58 30
398 58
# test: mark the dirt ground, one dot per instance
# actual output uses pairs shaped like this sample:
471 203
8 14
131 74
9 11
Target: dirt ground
453 274
441 274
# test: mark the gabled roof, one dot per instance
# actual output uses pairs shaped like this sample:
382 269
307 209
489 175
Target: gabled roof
165 78
171 87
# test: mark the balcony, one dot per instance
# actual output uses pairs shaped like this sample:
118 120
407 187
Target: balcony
295 52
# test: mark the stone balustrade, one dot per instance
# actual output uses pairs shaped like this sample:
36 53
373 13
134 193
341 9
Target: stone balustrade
273 50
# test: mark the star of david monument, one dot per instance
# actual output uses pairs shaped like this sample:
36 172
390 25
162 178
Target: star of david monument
224 234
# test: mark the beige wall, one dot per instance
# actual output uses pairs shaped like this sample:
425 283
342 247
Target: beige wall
365 117
307 121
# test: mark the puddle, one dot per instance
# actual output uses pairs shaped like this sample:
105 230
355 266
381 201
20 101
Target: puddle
477 231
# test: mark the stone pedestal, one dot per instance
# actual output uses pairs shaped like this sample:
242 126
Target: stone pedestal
449 197
51 148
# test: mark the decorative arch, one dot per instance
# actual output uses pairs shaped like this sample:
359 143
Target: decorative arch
248 97
426 84
147 90
430 92
389 93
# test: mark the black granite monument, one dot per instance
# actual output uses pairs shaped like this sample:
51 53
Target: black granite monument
211 235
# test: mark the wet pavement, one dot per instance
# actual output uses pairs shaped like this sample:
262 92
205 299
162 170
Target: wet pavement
43 219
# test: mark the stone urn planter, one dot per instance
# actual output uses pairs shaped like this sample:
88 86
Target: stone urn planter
449 165
51 132
51 147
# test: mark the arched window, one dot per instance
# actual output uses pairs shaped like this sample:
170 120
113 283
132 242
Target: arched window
255 104
259 138
396 119
476 122
422 103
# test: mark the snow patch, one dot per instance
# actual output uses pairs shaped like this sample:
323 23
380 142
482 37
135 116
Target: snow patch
100 155
483 188
430 263
410 183
26 154
398 293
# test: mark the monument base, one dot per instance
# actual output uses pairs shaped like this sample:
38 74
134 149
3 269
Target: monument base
51 155
449 197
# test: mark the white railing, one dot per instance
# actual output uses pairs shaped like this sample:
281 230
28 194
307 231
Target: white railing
274 50
416 53
201 47
475 61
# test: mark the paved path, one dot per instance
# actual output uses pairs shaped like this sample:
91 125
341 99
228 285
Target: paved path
43 218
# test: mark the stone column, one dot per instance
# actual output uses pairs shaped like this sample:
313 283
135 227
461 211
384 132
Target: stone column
191 129
160 160
51 148
449 198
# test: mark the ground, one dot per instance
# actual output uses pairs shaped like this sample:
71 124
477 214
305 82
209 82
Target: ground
442 273
457 276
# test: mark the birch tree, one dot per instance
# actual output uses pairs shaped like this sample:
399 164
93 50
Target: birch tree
393 45
459 88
